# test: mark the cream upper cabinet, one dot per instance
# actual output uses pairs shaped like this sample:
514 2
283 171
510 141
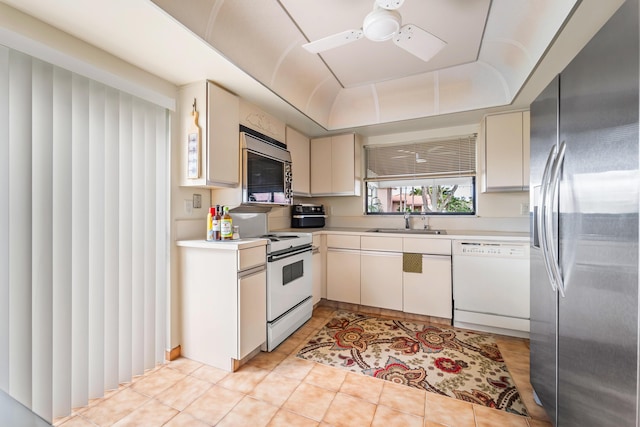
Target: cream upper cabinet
298 146
321 166
335 166
217 160
507 152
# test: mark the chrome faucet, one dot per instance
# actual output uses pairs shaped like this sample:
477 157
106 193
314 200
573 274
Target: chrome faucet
425 220
406 220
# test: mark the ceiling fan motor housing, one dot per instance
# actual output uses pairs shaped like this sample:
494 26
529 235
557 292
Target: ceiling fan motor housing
381 24
389 4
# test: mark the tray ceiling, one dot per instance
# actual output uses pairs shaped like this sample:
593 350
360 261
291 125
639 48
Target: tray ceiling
492 47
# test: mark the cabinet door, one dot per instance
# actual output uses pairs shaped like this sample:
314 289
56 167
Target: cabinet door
316 265
526 145
223 142
343 164
429 292
381 280
186 96
503 152
343 275
321 166
298 146
252 312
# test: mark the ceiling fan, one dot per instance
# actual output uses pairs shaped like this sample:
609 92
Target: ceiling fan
384 23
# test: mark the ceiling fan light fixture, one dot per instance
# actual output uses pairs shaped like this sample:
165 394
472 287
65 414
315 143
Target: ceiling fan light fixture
381 24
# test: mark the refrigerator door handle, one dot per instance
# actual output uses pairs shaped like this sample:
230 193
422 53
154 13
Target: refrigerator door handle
540 220
552 196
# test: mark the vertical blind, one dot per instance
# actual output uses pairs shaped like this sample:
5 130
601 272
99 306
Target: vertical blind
84 202
429 159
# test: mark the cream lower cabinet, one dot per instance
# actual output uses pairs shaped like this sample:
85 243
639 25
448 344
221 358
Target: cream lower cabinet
381 279
429 292
381 272
252 317
343 268
222 303
318 273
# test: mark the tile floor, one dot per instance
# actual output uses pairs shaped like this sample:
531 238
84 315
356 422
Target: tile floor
278 389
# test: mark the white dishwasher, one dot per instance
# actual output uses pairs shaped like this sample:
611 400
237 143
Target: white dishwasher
491 286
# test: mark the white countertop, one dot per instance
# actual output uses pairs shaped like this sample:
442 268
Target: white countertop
232 245
511 236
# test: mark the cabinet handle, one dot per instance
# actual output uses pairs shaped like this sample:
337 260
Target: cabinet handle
252 271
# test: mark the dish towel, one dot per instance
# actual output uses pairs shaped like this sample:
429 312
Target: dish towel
412 263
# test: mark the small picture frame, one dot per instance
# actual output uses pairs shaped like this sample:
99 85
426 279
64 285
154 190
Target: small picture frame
193 146
193 156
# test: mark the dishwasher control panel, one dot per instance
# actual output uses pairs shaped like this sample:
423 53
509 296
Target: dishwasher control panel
491 249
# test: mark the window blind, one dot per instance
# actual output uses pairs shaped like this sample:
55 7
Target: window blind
84 214
429 159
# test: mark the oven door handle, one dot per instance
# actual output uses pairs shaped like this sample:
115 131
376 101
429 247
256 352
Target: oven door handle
280 256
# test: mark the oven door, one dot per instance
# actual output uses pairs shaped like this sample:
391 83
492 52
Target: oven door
288 281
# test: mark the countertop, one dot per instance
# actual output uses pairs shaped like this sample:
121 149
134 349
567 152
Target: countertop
510 236
232 245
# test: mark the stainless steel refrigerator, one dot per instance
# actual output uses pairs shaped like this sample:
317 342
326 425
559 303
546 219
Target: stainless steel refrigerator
584 232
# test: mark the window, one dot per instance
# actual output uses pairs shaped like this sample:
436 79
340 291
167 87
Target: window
431 177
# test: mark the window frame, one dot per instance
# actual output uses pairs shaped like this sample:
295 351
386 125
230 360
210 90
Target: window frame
412 178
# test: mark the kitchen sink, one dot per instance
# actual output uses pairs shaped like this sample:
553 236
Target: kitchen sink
406 231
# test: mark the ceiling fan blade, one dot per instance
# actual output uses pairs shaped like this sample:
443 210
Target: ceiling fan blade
332 41
418 42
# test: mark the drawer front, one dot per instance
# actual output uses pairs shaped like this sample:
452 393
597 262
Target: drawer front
377 243
343 241
426 246
251 257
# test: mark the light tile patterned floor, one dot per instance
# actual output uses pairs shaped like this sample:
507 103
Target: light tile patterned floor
278 389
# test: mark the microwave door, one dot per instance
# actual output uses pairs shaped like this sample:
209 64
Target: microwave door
266 180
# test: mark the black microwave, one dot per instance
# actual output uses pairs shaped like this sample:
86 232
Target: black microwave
266 170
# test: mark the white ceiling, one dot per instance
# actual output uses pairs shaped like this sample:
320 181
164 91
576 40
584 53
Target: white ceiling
254 49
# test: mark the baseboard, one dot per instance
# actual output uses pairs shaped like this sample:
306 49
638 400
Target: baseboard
172 354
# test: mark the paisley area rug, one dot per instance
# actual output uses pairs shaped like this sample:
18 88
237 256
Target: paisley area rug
451 362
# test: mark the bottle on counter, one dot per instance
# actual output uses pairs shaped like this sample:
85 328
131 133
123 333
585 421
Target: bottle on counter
226 226
215 223
210 216
219 218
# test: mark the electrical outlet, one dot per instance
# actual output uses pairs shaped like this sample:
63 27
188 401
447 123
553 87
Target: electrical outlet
524 208
188 206
197 201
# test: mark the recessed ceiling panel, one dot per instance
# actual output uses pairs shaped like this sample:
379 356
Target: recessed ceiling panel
460 23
